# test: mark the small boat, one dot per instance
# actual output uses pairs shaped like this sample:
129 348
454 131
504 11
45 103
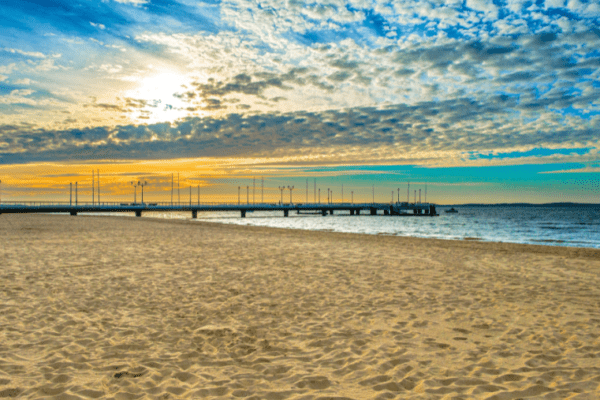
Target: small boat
452 211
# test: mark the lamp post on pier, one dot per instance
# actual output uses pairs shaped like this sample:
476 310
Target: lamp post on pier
238 195
142 184
291 188
281 188
135 185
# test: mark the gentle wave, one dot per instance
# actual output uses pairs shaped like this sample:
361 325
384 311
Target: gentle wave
556 226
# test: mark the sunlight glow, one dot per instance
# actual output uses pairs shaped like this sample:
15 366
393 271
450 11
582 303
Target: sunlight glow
155 99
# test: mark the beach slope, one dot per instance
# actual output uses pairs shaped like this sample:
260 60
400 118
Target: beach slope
128 308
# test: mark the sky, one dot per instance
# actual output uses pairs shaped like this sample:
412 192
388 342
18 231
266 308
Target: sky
473 101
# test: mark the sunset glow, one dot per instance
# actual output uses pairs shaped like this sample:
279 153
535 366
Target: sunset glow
480 100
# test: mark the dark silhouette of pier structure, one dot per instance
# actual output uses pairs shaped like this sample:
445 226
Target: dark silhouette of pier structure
392 209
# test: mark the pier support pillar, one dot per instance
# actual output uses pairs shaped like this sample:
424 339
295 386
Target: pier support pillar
373 211
243 213
73 213
194 213
324 212
386 212
357 212
351 212
286 213
331 212
138 213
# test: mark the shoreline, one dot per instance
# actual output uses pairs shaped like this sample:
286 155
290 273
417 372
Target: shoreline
534 248
103 307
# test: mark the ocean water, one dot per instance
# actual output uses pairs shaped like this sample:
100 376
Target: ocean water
576 226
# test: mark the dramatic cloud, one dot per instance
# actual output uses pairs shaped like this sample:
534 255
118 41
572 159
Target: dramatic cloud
370 81
443 132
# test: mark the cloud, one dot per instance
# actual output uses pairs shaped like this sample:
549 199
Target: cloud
7 69
473 76
100 26
554 3
32 54
132 2
486 6
431 132
585 170
24 81
589 9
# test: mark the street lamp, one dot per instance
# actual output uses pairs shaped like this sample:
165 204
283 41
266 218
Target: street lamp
282 188
142 184
291 188
134 191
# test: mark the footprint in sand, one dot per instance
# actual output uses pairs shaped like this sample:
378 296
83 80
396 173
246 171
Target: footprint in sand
314 382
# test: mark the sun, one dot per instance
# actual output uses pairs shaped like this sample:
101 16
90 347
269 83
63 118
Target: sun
154 99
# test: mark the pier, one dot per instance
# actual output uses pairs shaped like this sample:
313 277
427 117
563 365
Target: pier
390 209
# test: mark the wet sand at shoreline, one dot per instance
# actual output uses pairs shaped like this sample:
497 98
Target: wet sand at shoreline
128 308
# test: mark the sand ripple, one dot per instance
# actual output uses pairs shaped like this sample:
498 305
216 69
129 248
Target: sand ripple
95 307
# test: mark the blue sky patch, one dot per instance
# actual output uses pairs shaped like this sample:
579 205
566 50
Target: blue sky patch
538 152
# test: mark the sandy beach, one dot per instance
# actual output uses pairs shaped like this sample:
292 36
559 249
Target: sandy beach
135 308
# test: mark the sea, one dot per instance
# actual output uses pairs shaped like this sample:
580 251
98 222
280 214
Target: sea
555 225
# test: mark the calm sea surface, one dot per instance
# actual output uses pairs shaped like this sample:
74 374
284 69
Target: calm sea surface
577 226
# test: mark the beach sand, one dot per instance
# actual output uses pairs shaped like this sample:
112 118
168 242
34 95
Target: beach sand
128 308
